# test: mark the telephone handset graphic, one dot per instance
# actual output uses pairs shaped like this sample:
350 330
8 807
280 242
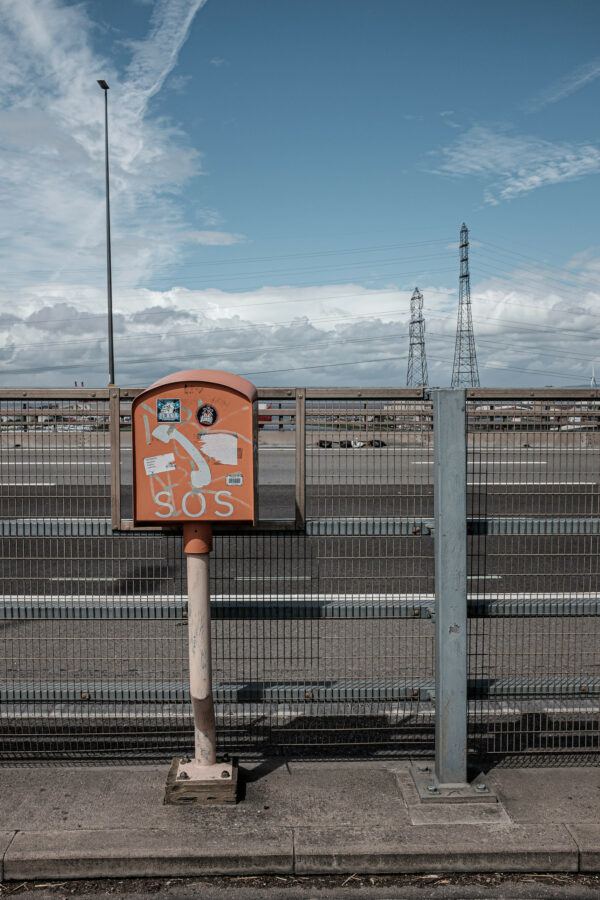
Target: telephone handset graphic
200 476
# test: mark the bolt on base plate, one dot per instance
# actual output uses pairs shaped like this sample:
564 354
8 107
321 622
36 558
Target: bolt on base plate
430 790
189 782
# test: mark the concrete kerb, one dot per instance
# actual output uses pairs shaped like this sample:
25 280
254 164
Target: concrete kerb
6 838
147 853
587 838
437 848
109 853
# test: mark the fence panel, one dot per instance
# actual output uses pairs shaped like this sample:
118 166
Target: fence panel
533 504
322 618
322 635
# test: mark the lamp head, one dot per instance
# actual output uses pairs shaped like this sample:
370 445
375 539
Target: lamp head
103 84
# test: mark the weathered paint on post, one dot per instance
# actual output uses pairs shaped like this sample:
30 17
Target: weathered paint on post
300 433
114 426
197 545
450 500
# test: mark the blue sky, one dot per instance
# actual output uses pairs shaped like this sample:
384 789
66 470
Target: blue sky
285 173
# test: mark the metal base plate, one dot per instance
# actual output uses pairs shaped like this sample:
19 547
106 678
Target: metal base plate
190 782
191 769
430 790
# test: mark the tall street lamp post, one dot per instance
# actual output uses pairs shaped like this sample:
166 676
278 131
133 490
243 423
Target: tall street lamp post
111 352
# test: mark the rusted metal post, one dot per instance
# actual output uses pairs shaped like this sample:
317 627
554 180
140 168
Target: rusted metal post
300 433
114 432
197 543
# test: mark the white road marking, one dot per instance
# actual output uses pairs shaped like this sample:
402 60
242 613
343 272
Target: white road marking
283 598
490 462
54 462
86 577
483 482
273 577
486 577
55 448
289 710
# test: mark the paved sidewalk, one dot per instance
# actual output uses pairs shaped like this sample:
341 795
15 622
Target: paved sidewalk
296 817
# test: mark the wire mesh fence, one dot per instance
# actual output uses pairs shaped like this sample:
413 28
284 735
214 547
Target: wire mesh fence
533 478
322 616
319 641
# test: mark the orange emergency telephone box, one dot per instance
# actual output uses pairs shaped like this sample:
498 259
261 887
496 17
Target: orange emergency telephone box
194 436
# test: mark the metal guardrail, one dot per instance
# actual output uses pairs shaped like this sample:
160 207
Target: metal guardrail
294 607
376 527
342 691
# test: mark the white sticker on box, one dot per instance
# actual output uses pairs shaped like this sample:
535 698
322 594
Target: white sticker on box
234 480
221 447
154 465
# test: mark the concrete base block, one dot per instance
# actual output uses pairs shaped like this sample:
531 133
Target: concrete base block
190 783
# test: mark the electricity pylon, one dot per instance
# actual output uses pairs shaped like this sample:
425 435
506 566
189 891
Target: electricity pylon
417 361
464 371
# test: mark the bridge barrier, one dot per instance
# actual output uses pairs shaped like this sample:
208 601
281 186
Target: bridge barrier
327 632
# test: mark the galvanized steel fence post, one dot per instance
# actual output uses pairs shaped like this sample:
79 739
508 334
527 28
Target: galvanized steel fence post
450 501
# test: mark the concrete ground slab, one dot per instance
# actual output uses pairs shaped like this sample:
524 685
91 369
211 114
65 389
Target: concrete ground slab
146 852
587 838
339 792
302 817
436 848
570 795
276 793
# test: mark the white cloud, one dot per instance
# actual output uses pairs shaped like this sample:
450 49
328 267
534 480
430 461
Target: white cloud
215 238
512 164
155 56
566 86
52 121
532 327
272 328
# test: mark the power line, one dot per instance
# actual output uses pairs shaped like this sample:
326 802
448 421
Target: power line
539 264
201 266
